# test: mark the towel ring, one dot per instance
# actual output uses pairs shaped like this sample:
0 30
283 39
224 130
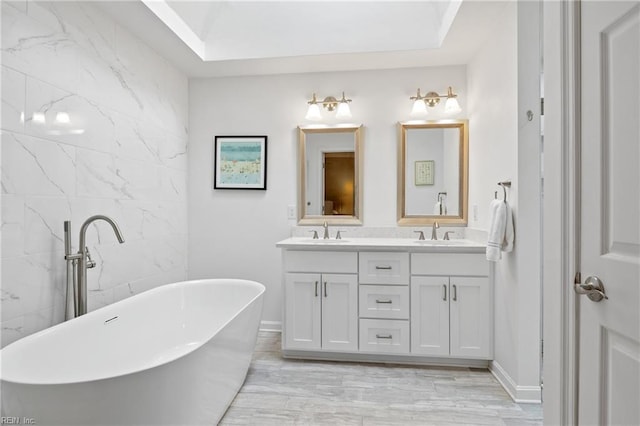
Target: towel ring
504 185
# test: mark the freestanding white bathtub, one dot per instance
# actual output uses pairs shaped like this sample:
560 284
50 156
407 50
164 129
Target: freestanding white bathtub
177 355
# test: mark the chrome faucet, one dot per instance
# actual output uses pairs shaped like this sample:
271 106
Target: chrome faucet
325 225
434 234
80 261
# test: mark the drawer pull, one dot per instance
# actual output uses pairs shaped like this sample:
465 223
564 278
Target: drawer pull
325 289
384 336
444 292
384 301
316 288
388 268
455 293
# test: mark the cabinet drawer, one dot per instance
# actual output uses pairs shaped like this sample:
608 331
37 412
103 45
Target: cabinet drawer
339 262
384 268
384 301
388 336
474 264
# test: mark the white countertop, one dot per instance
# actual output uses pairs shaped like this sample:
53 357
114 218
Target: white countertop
380 244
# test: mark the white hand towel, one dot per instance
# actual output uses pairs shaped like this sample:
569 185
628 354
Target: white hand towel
507 244
498 224
436 208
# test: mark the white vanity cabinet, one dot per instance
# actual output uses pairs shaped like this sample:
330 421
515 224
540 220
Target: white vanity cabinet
321 301
451 306
384 302
399 302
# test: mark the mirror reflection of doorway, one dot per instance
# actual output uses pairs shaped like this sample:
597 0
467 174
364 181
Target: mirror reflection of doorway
339 178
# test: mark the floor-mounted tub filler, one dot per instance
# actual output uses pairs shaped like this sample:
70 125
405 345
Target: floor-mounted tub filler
177 354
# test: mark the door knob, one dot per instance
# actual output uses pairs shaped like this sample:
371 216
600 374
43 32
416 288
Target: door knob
592 287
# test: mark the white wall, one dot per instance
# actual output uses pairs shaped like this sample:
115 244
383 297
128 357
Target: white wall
233 233
424 144
502 149
123 154
452 173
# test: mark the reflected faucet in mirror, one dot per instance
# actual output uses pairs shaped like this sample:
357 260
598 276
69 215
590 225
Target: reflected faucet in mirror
433 167
441 205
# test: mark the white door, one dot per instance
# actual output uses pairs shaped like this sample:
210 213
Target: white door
339 312
302 311
609 340
430 315
470 317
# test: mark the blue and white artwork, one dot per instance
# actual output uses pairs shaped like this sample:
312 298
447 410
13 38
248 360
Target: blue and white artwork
240 162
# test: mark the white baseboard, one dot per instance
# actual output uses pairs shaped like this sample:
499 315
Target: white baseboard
520 394
273 326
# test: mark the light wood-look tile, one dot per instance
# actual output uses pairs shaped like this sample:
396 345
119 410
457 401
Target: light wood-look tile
281 391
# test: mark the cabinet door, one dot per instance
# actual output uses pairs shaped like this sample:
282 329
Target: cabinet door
471 317
302 311
339 312
430 315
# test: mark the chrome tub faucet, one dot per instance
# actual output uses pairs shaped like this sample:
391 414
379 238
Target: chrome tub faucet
78 263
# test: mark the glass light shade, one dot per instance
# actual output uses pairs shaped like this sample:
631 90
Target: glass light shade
313 113
343 110
452 106
419 109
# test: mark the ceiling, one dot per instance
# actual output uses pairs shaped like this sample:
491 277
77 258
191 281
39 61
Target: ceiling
222 37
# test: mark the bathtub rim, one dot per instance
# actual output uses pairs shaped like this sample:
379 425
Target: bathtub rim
16 346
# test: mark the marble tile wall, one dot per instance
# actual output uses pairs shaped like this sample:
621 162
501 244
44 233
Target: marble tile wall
93 122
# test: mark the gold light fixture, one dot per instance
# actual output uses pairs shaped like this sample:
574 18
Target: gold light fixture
431 99
330 104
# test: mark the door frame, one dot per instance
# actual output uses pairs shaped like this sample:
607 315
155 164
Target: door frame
561 212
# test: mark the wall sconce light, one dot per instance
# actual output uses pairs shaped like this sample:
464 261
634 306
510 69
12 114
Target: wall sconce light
330 104
432 99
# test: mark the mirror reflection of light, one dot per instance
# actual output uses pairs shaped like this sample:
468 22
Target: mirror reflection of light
22 117
58 132
38 117
63 118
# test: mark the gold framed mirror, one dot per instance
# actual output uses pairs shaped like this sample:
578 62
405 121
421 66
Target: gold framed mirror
433 172
330 175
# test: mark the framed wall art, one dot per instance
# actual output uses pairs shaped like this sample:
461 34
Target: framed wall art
424 172
240 162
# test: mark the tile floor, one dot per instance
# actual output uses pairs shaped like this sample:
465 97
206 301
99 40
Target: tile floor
281 391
